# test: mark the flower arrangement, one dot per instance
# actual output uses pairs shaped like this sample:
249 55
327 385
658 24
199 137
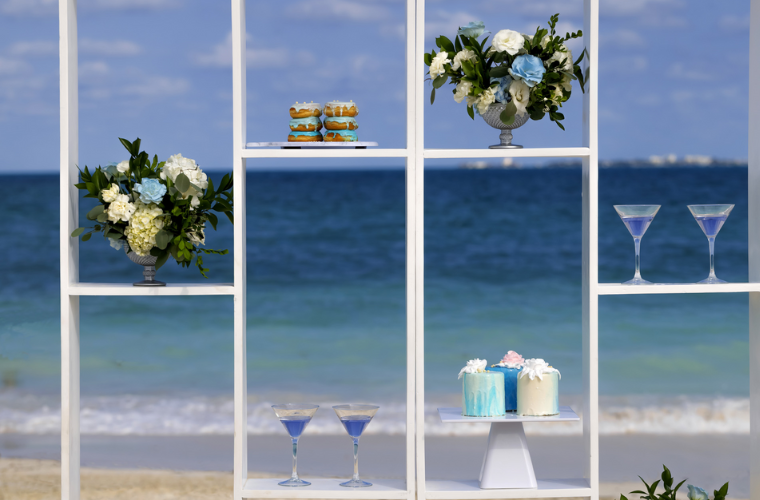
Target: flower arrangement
155 208
695 493
530 74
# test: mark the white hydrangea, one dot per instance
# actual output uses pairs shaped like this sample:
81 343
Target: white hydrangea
463 88
120 209
109 194
463 55
559 56
485 99
520 93
177 164
117 244
143 227
566 83
437 64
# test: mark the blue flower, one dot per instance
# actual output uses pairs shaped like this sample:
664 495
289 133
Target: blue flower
111 169
502 91
151 191
696 493
473 29
529 69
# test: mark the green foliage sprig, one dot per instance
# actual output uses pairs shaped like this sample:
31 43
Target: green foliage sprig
669 492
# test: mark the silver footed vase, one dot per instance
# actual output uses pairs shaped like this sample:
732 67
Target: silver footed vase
491 116
149 268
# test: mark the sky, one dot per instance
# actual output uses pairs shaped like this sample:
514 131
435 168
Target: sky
673 76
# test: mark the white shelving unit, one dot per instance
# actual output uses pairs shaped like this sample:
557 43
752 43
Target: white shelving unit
415 485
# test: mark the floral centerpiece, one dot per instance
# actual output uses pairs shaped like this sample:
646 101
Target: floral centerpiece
155 209
518 75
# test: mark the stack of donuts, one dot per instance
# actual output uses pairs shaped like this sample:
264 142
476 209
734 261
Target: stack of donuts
340 124
305 124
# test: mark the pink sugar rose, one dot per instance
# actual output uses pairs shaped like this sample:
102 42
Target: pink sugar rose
512 358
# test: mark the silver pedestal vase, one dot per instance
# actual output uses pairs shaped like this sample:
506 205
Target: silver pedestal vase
149 268
491 116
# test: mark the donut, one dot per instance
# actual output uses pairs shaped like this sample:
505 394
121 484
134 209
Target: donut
310 124
341 136
337 108
305 137
340 123
305 109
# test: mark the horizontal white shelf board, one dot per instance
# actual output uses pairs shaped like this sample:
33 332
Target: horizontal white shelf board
312 145
470 489
662 288
391 489
324 153
111 289
454 416
509 153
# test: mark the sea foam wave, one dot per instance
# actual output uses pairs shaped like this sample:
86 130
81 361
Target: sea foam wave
204 415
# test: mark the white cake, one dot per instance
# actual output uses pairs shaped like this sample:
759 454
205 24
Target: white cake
538 389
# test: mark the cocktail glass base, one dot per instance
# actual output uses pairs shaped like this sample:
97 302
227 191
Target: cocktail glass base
711 280
356 483
637 281
505 146
294 482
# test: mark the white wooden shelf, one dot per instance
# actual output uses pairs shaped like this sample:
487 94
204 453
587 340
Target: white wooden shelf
454 415
381 489
325 153
123 289
509 153
668 288
453 489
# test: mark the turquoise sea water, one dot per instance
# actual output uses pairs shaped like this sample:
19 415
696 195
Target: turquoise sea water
326 303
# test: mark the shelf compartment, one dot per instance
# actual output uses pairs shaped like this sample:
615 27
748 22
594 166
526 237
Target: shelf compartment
127 289
381 489
454 415
509 153
470 489
668 288
324 153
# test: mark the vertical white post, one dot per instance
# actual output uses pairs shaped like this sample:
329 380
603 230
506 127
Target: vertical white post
754 247
69 249
413 288
590 250
417 148
238 143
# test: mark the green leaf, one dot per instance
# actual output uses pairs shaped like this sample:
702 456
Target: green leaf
623 497
86 236
114 235
181 245
432 96
136 147
127 144
93 214
457 45
469 69
537 114
438 82
162 258
77 232
230 216
507 116
499 71
471 112
213 220
445 44
428 59
102 217
163 238
182 183
209 190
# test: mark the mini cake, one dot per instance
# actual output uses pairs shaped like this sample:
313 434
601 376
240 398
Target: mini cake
538 389
341 136
310 124
305 109
510 366
482 391
340 123
337 108
304 137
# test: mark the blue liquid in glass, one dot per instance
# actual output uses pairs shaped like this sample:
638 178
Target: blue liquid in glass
637 224
295 425
711 224
355 424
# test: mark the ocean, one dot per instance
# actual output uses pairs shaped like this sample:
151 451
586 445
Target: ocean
326 303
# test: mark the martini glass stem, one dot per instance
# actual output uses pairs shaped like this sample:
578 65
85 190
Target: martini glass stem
356 459
711 241
637 243
294 476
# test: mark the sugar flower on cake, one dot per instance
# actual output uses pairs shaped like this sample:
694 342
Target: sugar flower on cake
537 367
511 360
474 366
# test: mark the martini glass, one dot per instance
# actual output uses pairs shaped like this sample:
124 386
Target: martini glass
295 418
637 219
711 218
355 418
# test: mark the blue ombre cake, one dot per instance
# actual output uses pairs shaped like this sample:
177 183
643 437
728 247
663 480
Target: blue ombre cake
482 391
510 366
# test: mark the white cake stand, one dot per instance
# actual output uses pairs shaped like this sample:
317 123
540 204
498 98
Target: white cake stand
506 463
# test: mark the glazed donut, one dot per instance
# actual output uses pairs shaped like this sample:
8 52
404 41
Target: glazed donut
310 124
340 123
305 137
341 136
305 109
337 108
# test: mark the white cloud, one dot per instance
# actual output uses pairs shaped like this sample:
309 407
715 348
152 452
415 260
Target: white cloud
638 7
622 38
12 66
29 7
681 72
131 4
156 86
340 9
93 69
34 48
220 56
50 7
446 23
87 46
734 23
624 65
